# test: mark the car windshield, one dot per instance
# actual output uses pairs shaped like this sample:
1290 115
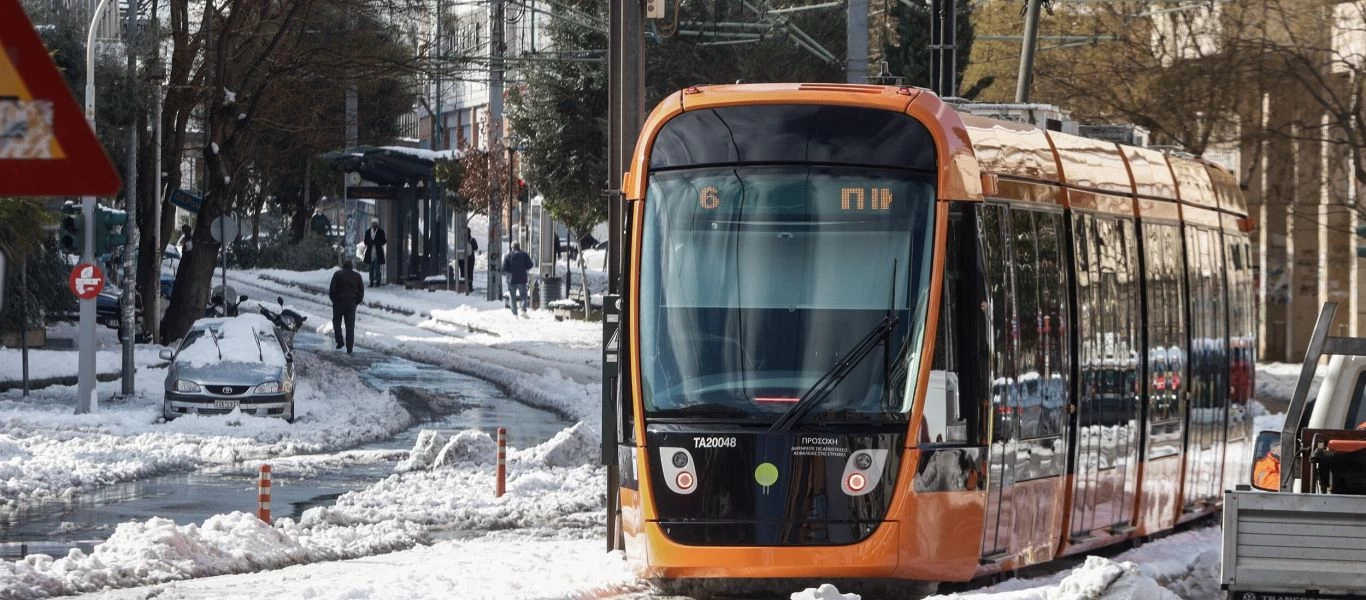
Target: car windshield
243 339
755 281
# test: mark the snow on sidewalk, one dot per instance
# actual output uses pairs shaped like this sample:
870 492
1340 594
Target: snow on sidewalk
158 550
48 453
53 364
1276 381
1182 566
510 568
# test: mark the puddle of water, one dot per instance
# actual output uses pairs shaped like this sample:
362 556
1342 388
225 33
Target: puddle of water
89 518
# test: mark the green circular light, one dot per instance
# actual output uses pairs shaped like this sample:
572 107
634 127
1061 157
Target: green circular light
766 474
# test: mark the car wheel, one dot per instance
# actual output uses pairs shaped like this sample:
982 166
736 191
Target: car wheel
167 414
289 414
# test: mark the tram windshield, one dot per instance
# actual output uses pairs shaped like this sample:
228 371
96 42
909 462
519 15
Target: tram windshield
755 281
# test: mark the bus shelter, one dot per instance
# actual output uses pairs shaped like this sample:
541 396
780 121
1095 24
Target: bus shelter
410 206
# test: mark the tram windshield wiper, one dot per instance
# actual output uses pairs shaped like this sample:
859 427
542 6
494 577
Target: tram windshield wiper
820 390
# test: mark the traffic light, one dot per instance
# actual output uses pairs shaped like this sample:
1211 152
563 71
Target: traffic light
109 229
1361 232
73 230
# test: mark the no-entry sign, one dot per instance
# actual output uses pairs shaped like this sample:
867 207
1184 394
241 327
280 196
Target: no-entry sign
86 281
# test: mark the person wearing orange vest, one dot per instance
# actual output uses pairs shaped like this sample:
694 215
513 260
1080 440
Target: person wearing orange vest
1266 474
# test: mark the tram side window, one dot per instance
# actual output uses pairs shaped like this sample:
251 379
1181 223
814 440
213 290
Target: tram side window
1236 269
956 394
1219 341
1055 351
995 232
1028 321
1087 315
1129 359
1198 265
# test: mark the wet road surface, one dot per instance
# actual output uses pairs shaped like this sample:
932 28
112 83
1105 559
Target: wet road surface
89 518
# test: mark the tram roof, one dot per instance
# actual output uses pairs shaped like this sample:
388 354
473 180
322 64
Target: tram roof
1003 159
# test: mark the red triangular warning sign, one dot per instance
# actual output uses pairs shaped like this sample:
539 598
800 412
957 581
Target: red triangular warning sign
46 147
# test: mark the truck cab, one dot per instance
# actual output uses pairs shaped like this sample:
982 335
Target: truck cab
1339 403
1301 533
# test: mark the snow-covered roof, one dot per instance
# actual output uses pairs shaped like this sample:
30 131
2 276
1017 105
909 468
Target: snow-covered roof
245 339
432 155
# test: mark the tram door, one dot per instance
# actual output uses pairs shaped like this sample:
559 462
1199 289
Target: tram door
1105 472
1000 518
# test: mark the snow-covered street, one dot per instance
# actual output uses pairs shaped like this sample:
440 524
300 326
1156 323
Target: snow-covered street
432 527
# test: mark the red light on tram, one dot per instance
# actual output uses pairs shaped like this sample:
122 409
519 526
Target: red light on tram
904 91
856 482
684 480
692 89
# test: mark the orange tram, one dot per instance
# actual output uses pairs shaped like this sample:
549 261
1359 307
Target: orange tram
866 336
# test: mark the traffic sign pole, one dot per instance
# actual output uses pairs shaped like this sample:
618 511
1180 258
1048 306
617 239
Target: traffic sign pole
85 373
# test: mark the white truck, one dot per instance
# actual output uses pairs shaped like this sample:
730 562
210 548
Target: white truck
1299 532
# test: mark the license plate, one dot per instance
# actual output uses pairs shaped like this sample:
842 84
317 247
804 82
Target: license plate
225 404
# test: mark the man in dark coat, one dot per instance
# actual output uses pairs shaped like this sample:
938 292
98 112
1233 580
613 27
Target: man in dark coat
469 259
374 252
517 264
346 292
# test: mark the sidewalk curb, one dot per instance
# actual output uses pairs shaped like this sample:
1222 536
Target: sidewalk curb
38 384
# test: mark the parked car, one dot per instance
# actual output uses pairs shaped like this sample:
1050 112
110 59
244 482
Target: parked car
232 363
109 305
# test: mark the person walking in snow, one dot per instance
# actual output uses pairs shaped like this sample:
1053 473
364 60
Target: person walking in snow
346 292
517 264
374 252
186 240
469 260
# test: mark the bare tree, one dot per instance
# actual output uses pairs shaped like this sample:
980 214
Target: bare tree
243 63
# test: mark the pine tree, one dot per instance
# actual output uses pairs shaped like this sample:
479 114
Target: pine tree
908 51
559 121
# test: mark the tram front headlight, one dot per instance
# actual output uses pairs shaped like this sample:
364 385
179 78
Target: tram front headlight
685 480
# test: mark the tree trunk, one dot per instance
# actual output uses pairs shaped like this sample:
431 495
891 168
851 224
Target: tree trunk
149 252
194 279
587 293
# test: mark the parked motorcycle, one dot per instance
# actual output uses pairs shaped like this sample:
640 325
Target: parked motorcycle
218 308
286 320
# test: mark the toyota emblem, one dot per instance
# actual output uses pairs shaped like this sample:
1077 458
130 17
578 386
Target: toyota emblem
227 390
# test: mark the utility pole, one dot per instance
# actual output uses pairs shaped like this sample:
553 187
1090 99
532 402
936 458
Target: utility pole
352 140
856 40
1031 40
130 186
496 49
85 371
437 119
626 113
944 47
152 310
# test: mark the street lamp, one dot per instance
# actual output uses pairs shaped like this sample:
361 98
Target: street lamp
85 380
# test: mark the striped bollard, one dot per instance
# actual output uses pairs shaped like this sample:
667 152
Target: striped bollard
263 495
502 462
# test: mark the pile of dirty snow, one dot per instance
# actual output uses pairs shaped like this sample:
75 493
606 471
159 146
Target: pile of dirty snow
1276 381
1182 565
448 483
824 592
157 550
